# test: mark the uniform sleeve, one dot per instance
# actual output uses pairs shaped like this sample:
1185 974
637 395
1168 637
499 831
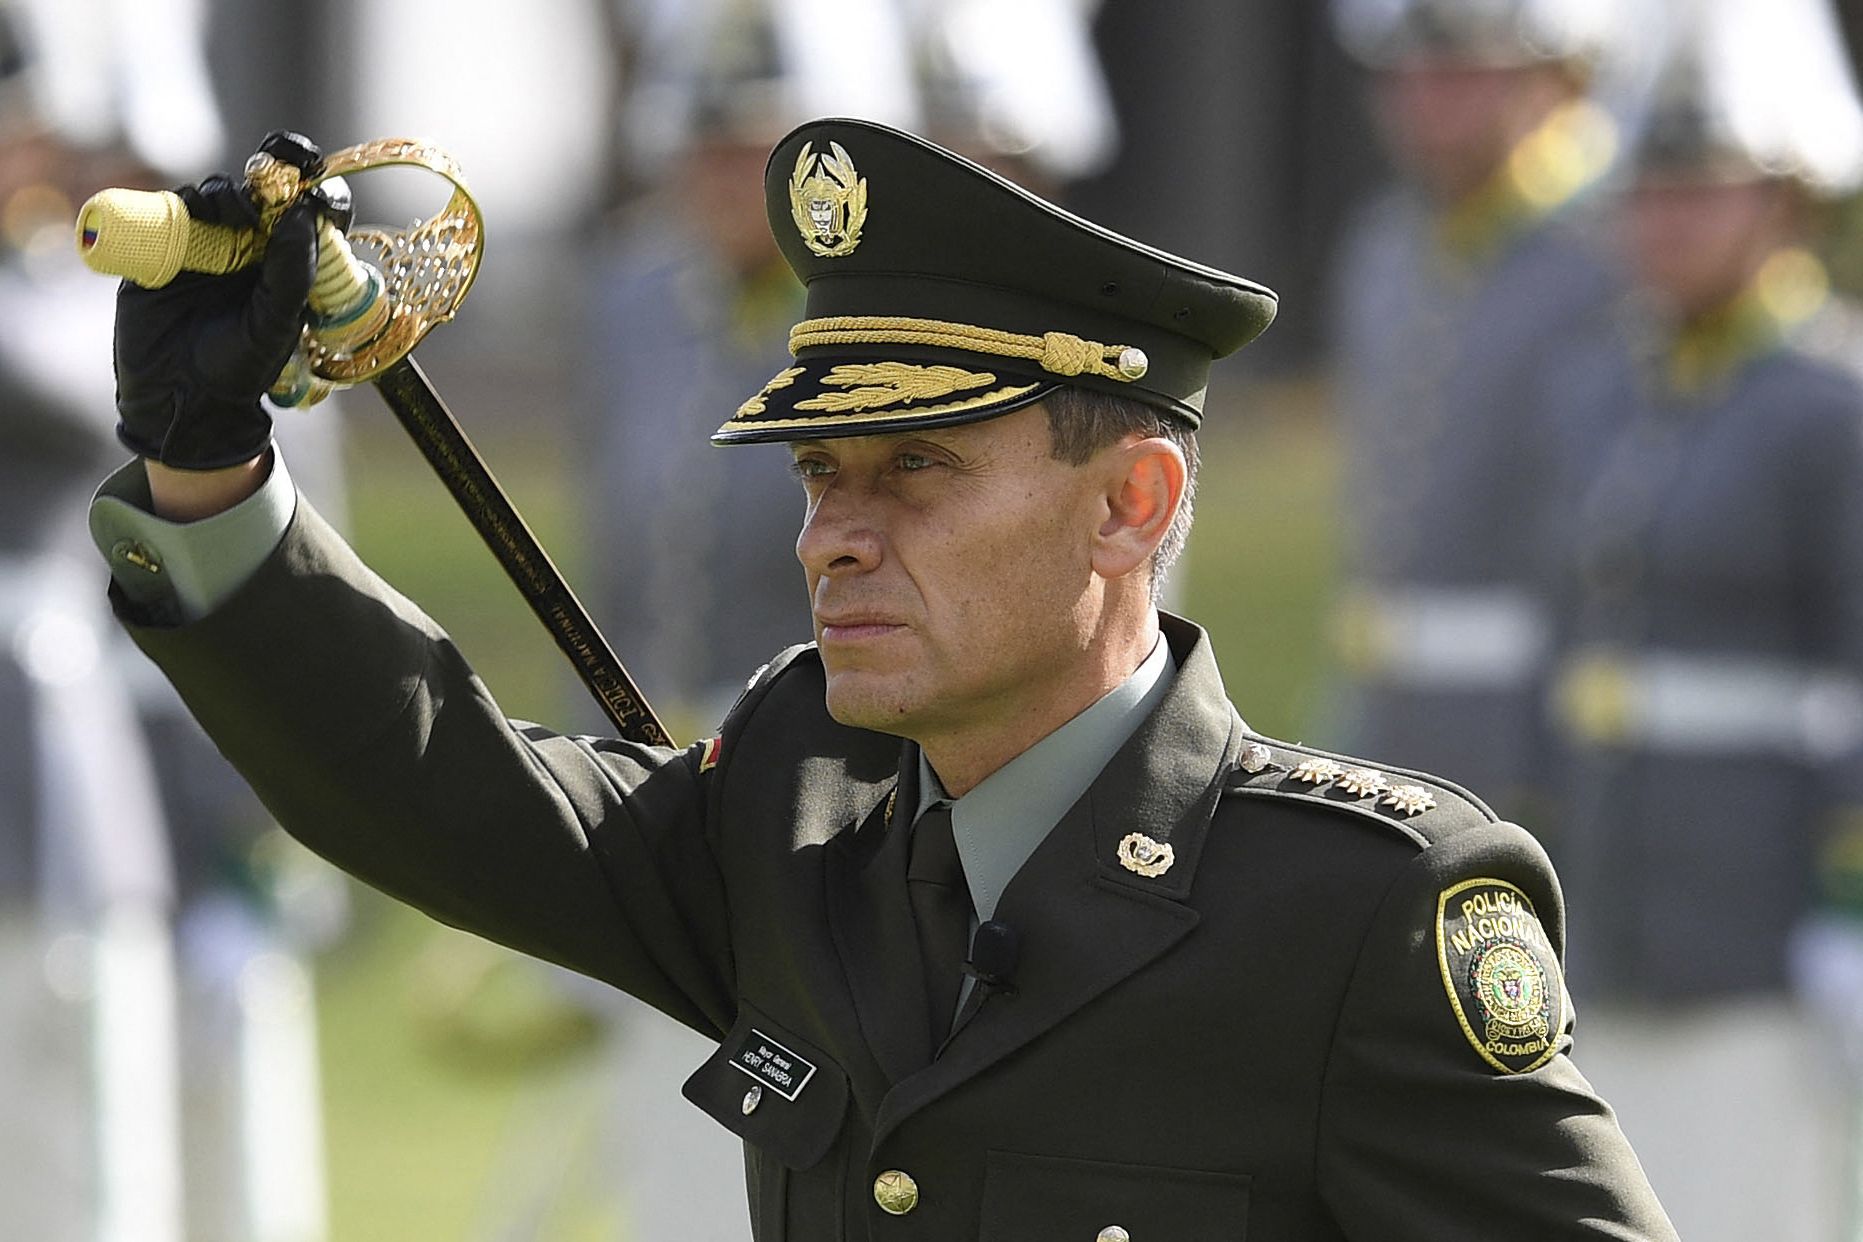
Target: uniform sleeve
369 738
184 570
1451 1109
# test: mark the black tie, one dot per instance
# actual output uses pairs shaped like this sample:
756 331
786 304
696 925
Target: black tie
941 908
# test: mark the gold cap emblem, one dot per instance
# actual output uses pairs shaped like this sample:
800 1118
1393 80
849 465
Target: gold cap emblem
1140 854
828 199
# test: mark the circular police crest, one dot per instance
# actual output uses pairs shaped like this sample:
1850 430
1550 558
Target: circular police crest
1510 989
1501 974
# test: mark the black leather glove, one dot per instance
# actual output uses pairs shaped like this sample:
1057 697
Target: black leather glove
194 357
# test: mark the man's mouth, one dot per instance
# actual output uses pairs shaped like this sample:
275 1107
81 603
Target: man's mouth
855 626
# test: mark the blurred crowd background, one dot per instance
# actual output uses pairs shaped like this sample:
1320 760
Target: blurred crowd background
1549 479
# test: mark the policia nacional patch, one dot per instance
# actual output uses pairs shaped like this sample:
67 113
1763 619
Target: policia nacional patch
1501 974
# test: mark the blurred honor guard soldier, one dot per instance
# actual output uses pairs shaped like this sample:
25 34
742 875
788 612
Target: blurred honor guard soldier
1453 292
1217 986
90 1146
131 1114
696 575
1018 88
1712 695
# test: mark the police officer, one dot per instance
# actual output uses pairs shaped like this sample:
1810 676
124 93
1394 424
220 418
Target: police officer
689 275
1004 923
1712 690
1454 292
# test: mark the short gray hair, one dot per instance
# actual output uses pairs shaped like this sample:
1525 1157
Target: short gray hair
1082 421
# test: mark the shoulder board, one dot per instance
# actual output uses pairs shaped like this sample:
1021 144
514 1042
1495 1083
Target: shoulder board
1424 808
766 676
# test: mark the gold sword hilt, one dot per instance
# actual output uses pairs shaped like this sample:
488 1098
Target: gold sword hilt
378 291
376 294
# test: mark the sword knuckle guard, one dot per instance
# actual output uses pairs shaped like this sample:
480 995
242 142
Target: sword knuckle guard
375 295
378 291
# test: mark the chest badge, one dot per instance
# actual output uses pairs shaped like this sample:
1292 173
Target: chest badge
828 200
1140 854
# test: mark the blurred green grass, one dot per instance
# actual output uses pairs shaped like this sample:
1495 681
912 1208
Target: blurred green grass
425 1146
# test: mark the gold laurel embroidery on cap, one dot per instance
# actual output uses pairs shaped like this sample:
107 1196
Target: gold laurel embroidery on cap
828 200
1317 771
879 416
1058 353
755 406
873 385
1363 783
1140 854
1409 799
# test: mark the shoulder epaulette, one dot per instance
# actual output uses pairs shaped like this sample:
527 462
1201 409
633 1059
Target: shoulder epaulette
766 676
1424 808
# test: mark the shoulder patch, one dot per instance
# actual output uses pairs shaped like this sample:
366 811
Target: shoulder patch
713 752
1500 973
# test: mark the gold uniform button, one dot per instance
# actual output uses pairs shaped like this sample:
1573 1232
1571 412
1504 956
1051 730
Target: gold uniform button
895 1192
1112 1233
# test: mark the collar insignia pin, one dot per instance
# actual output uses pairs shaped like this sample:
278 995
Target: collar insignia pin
1140 854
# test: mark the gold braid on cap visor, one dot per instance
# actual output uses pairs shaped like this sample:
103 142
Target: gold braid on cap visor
1059 353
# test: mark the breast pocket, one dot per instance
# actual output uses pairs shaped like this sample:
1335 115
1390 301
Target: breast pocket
1051 1199
774 1089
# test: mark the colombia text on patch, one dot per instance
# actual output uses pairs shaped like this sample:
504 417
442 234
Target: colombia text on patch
1501 974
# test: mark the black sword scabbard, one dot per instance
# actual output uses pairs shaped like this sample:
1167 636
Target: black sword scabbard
442 441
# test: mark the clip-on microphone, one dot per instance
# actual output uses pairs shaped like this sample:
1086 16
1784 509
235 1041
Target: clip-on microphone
994 953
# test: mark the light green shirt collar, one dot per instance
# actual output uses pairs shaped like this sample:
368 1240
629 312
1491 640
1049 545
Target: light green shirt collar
999 823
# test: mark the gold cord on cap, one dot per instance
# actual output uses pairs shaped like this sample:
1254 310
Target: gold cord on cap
1059 353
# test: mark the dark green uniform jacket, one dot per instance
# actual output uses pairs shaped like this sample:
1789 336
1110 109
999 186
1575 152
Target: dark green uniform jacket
1321 1020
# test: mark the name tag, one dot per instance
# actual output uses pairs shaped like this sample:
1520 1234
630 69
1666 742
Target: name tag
773 1065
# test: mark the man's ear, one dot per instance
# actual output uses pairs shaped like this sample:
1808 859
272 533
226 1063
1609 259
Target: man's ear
1144 484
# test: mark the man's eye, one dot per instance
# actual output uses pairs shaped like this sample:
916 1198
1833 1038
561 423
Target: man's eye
912 461
810 468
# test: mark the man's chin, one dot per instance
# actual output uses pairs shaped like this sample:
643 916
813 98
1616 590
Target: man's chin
862 700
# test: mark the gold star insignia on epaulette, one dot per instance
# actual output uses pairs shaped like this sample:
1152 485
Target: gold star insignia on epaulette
1256 758
1317 771
1364 783
1409 799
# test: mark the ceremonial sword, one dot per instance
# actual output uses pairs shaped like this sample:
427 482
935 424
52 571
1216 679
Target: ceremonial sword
366 318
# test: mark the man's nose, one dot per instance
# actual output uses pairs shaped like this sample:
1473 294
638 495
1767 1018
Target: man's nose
840 535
